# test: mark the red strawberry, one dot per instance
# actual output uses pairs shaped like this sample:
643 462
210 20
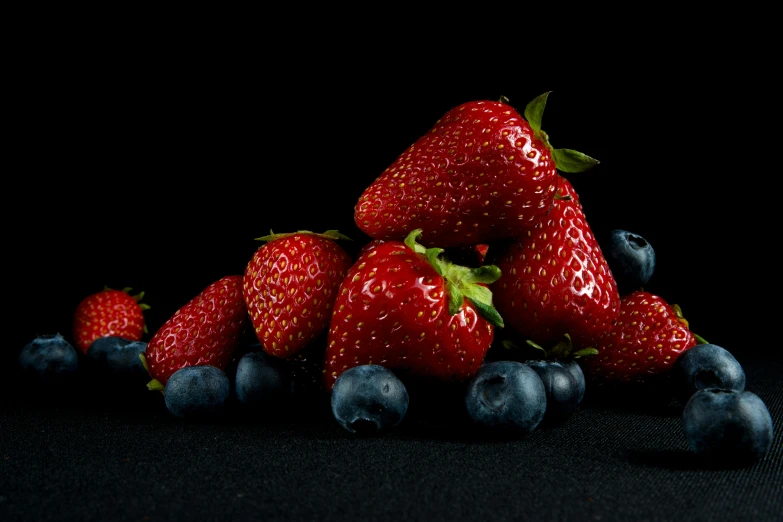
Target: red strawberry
404 307
482 173
555 279
205 331
645 340
289 287
109 313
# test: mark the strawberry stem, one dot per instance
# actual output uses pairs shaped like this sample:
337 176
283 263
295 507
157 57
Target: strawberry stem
566 160
534 112
461 282
699 338
154 384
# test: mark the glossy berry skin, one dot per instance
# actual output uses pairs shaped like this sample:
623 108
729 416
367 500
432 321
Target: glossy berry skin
108 313
263 382
205 331
289 287
643 343
197 392
116 356
482 173
631 258
562 390
369 400
727 428
706 366
49 359
393 309
506 397
579 377
555 279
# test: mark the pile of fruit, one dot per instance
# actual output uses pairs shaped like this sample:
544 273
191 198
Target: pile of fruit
481 274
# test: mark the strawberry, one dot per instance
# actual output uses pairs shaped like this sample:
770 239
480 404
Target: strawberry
407 308
642 344
482 173
109 313
289 287
555 279
205 331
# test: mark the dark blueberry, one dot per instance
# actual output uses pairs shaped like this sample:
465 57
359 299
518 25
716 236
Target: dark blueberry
727 428
263 382
631 259
562 390
369 399
49 358
706 366
576 370
506 397
197 392
118 357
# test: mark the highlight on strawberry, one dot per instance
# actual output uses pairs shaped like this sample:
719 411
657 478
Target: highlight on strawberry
482 173
555 279
408 308
290 285
204 332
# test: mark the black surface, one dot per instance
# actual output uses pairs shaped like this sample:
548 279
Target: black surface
155 166
88 460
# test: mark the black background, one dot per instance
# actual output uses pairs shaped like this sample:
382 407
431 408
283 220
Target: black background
156 169
150 155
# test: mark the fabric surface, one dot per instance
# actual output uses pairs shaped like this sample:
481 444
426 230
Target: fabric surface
78 461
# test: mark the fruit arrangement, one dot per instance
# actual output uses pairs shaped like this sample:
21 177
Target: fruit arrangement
480 278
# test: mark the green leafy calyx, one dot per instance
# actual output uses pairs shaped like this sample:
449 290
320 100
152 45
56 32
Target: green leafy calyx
461 282
566 160
563 350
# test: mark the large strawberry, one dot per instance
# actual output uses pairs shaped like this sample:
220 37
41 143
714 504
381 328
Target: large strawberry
289 287
408 308
107 313
642 344
555 279
482 173
205 331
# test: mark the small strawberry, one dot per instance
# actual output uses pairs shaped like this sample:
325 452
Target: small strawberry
109 313
205 331
555 279
482 173
642 344
289 287
405 307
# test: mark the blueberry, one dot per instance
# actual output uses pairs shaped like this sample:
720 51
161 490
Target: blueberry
562 390
506 397
118 357
727 428
706 366
263 382
50 359
369 399
631 259
197 392
576 370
